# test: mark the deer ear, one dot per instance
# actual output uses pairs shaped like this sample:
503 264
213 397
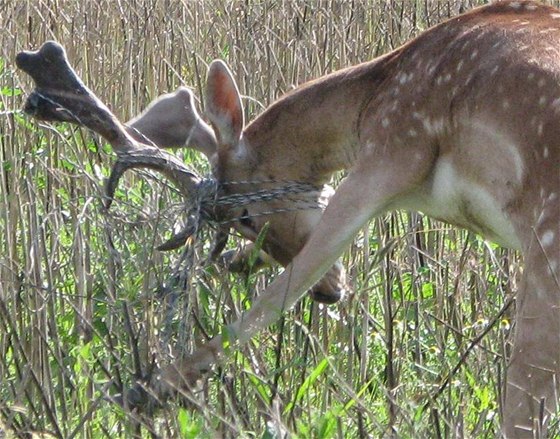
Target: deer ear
223 104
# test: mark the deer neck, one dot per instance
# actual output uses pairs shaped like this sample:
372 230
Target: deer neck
313 131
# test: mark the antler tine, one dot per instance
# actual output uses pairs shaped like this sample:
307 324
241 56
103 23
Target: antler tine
156 159
61 96
172 121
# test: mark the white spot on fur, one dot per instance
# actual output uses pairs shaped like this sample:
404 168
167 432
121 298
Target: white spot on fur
552 196
540 293
517 160
451 192
541 217
515 5
553 266
534 121
542 101
555 15
385 122
460 66
505 104
474 54
545 152
412 133
531 7
541 82
433 126
540 129
547 238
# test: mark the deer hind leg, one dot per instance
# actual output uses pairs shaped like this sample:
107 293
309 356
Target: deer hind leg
533 377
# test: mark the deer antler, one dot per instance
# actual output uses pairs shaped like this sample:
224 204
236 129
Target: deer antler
172 121
61 96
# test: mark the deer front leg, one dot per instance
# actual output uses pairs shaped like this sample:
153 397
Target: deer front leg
533 377
366 192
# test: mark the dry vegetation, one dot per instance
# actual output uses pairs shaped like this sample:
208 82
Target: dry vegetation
86 302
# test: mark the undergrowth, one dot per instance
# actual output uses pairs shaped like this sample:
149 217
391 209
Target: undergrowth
87 304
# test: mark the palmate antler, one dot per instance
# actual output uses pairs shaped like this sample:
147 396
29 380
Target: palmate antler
61 96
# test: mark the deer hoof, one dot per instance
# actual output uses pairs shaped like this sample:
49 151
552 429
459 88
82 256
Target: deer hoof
138 397
141 397
328 297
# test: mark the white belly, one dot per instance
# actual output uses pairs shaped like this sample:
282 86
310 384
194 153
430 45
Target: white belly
451 197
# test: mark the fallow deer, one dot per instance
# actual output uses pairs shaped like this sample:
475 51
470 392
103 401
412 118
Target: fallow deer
462 123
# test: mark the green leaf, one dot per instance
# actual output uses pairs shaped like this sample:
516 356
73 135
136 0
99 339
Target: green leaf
189 428
327 425
307 383
258 246
9 91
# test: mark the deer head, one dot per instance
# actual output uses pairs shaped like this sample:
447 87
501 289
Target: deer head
242 163
249 195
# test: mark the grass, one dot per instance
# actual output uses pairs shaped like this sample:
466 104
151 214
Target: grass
87 303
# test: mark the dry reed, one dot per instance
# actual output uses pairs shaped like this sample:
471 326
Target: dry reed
85 298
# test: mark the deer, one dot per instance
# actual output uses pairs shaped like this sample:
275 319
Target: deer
461 123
